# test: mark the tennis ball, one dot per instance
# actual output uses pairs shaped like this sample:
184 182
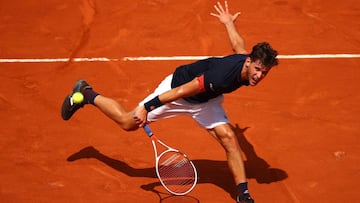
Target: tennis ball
77 97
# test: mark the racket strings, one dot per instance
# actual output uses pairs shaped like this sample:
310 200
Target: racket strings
176 172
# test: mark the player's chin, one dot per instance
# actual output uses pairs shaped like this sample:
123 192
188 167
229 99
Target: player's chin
253 83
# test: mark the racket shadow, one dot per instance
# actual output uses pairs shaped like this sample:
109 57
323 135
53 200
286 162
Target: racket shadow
210 171
165 197
179 199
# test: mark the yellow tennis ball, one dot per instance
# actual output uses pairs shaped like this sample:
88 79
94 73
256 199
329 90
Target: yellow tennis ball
77 97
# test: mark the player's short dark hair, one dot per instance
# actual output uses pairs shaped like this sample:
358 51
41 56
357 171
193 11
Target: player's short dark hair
265 53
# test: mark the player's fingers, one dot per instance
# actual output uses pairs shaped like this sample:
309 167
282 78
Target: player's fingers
220 7
139 123
236 15
136 118
213 14
142 124
217 9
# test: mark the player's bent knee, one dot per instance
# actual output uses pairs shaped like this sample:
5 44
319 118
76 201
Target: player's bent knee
129 127
229 141
127 124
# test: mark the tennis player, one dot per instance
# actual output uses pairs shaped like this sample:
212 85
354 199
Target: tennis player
195 90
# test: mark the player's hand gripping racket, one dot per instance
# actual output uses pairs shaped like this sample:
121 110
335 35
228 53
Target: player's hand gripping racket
175 170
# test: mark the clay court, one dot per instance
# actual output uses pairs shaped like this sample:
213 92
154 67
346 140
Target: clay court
299 129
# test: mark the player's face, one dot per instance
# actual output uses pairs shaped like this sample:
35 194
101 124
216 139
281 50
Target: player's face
256 72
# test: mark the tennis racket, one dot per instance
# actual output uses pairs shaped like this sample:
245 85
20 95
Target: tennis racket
175 170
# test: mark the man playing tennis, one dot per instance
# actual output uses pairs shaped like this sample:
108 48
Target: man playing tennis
195 90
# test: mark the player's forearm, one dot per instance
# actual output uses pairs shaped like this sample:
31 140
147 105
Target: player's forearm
189 89
236 41
186 90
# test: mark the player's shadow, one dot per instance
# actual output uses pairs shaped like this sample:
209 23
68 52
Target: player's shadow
210 171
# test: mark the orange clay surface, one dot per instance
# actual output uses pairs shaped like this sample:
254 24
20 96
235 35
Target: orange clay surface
299 128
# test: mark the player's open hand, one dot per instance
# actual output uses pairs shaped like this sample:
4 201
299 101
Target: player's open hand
223 14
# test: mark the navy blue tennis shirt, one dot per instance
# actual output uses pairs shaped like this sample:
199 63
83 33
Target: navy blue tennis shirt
216 75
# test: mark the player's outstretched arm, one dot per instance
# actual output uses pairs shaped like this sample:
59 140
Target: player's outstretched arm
236 41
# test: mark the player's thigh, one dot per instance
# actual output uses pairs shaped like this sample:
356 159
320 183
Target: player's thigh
222 132
210 115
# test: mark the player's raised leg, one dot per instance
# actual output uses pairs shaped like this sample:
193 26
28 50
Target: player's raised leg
108 106
116 112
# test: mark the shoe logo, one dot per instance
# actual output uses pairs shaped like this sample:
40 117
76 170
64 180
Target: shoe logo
71 101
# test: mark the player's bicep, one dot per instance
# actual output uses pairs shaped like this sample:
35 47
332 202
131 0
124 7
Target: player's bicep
191 88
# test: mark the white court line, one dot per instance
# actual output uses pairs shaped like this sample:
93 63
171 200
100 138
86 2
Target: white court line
301 56
168 58
52 60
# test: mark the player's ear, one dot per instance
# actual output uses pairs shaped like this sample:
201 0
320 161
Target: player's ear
247 61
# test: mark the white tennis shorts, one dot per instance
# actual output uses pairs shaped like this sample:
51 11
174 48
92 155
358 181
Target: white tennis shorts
208 115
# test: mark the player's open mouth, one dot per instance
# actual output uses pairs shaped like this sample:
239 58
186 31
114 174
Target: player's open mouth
254 81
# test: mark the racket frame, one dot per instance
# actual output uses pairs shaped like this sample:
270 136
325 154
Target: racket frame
155 140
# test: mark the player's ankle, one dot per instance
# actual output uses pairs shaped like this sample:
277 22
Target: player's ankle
89 96
243 190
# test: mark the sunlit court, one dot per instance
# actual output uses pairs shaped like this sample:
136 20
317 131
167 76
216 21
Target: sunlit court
298 129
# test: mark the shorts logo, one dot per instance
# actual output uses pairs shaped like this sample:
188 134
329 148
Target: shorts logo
212 87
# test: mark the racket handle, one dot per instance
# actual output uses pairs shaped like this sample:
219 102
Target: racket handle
148 130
